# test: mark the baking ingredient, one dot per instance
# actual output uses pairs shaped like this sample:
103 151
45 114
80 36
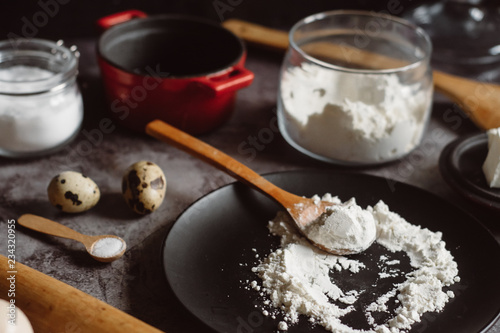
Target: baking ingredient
352 117
108 247
491 166
144 186
36 122
20 323
299 279
72 192
345 227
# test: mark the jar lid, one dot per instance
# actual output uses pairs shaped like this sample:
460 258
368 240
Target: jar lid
34 66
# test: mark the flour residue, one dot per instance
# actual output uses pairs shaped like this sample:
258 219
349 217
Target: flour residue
299 279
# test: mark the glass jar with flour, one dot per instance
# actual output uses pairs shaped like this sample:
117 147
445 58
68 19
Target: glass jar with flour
355 88
41 106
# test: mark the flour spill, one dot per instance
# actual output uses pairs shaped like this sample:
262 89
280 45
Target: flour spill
410 278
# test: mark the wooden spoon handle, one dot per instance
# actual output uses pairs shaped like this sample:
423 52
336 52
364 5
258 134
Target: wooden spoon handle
53 306
479 100
258 34
49 227
179 139
278 40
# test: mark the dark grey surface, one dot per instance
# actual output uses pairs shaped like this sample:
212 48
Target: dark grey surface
135 283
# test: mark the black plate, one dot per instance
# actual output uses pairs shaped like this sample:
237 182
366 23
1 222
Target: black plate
461 165
206 252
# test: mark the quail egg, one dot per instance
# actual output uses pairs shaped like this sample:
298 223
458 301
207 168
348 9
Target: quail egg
143 187
73 192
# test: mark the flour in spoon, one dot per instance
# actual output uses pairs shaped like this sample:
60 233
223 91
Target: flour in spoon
299 279
346 227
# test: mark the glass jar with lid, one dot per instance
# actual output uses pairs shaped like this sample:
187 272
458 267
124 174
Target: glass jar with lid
41 107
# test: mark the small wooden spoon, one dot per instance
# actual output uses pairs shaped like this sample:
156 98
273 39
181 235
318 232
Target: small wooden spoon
479 100
303 211
49 227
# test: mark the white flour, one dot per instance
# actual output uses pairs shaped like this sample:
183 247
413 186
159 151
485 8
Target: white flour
300 279
343 227
353 117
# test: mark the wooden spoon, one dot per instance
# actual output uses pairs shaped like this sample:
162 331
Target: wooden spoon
49 227
479 100
303 211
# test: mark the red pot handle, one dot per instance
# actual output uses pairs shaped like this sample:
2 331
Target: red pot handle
238 78
117 18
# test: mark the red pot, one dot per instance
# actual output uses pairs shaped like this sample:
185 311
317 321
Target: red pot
182 70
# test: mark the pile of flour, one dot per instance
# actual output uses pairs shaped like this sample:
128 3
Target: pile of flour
299 279
344 229
353 117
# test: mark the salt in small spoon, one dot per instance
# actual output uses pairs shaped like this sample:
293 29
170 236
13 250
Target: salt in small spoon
49 227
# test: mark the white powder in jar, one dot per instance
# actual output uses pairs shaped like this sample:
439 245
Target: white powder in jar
107 247
37 122
352 117
299 279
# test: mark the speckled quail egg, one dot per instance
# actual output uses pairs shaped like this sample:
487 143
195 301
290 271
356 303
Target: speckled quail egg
16 321
144 186
73 192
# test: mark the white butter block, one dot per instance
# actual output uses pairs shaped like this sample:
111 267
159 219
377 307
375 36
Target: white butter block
491 166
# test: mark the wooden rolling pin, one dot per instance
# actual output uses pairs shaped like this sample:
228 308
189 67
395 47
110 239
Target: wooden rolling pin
479 100
53 306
